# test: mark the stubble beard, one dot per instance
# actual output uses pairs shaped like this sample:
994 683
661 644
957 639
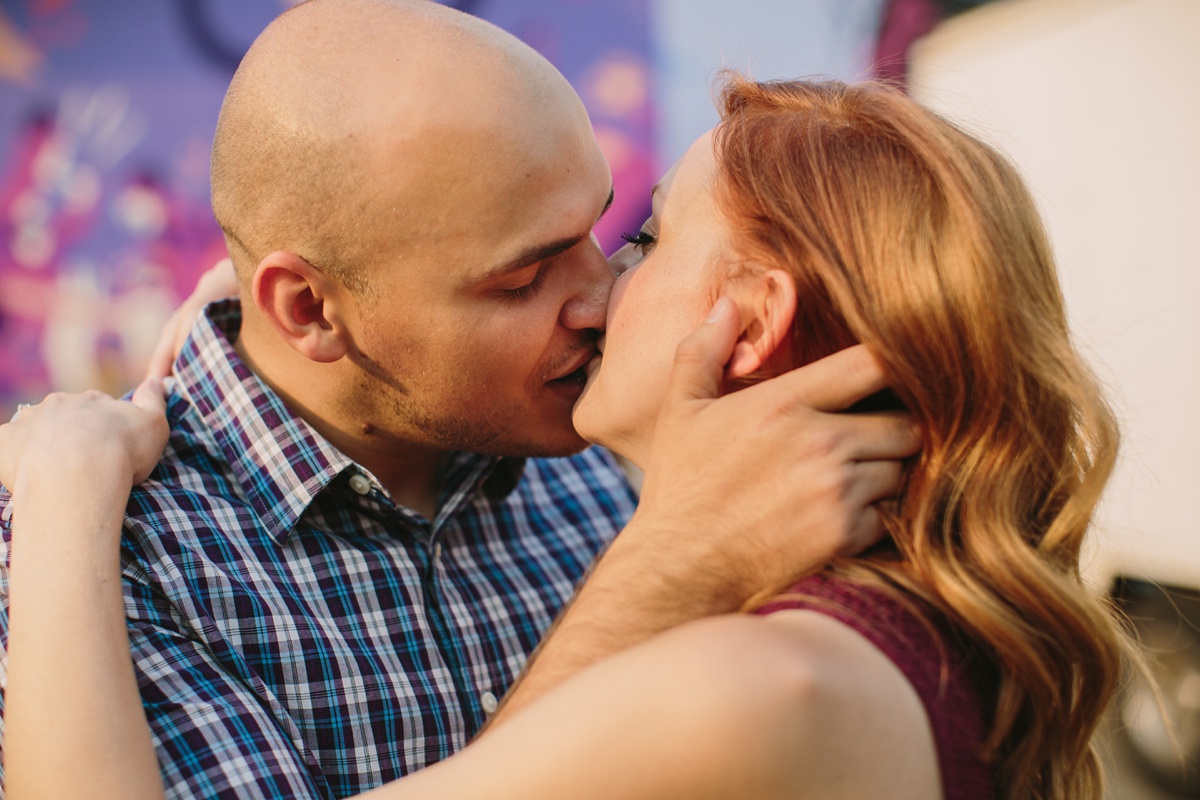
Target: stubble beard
487 429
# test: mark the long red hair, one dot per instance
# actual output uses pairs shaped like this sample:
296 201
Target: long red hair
907 234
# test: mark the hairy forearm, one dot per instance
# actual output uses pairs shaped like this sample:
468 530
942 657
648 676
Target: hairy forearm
705 712
74 720
637 590
727 511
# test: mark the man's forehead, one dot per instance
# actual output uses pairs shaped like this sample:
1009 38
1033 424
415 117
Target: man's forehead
544 250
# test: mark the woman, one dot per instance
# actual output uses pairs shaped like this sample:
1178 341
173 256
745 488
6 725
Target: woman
835 215
964 660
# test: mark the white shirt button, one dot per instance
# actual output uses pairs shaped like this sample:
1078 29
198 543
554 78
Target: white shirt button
360 484
489 703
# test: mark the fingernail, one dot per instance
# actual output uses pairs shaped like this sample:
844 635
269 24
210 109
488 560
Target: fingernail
719 309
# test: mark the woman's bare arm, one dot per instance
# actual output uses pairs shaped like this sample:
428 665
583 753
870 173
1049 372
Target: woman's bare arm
795 705
732 707
74 725
218 282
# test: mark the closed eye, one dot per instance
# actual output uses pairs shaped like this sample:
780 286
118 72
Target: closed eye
528 290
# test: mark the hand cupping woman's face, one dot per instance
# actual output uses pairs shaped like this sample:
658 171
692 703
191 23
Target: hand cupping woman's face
671 271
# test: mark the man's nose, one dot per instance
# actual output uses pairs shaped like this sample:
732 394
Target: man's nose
588 306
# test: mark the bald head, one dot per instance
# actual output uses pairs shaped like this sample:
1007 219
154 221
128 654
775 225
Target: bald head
356 125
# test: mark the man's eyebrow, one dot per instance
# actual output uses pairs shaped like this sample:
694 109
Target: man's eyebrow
543 252
540 252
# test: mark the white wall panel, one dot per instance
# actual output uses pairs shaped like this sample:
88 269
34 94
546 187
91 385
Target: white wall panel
1098 102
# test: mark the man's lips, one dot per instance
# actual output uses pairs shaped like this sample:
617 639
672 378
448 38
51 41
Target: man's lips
573 370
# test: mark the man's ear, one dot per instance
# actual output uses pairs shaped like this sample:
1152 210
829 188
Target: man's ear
301 304
767 304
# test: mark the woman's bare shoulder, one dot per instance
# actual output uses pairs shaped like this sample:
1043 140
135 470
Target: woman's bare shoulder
785 707
840 712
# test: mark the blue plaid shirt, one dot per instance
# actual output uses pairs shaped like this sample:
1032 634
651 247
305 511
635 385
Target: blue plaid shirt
298 635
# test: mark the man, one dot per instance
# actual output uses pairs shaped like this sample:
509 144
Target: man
344 559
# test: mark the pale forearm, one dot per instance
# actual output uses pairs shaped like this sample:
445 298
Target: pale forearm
74 720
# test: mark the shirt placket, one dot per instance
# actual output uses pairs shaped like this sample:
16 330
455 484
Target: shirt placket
466 477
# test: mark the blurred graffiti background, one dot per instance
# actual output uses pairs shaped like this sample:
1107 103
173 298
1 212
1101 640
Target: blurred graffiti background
107 109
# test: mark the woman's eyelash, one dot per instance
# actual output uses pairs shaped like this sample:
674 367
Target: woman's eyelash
641 239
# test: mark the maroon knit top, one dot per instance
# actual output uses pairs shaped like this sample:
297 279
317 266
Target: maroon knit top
937 664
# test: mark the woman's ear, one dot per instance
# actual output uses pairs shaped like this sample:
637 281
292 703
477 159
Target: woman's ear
300 302
767 304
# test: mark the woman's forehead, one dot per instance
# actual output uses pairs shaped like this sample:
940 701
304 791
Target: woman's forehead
690 179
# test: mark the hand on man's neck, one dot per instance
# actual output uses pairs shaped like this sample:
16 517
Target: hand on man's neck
409 471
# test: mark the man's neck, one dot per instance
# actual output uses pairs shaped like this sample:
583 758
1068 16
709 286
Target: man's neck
410 472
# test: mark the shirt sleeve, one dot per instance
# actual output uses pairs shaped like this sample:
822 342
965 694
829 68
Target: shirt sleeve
218 733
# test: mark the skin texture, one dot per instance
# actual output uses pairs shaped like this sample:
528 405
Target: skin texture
668 422
679 264
793 706
652 308
67 639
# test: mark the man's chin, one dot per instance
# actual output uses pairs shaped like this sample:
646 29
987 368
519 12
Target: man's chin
562 451
560 445
547 442
558 440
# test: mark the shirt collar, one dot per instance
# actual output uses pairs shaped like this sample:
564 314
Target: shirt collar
281 463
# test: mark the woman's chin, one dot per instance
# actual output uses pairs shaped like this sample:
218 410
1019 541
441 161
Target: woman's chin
593 421
585 417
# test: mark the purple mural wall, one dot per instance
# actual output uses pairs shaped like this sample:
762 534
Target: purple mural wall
107 109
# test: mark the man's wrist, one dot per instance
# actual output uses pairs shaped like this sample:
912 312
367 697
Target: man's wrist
657 562
651 578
